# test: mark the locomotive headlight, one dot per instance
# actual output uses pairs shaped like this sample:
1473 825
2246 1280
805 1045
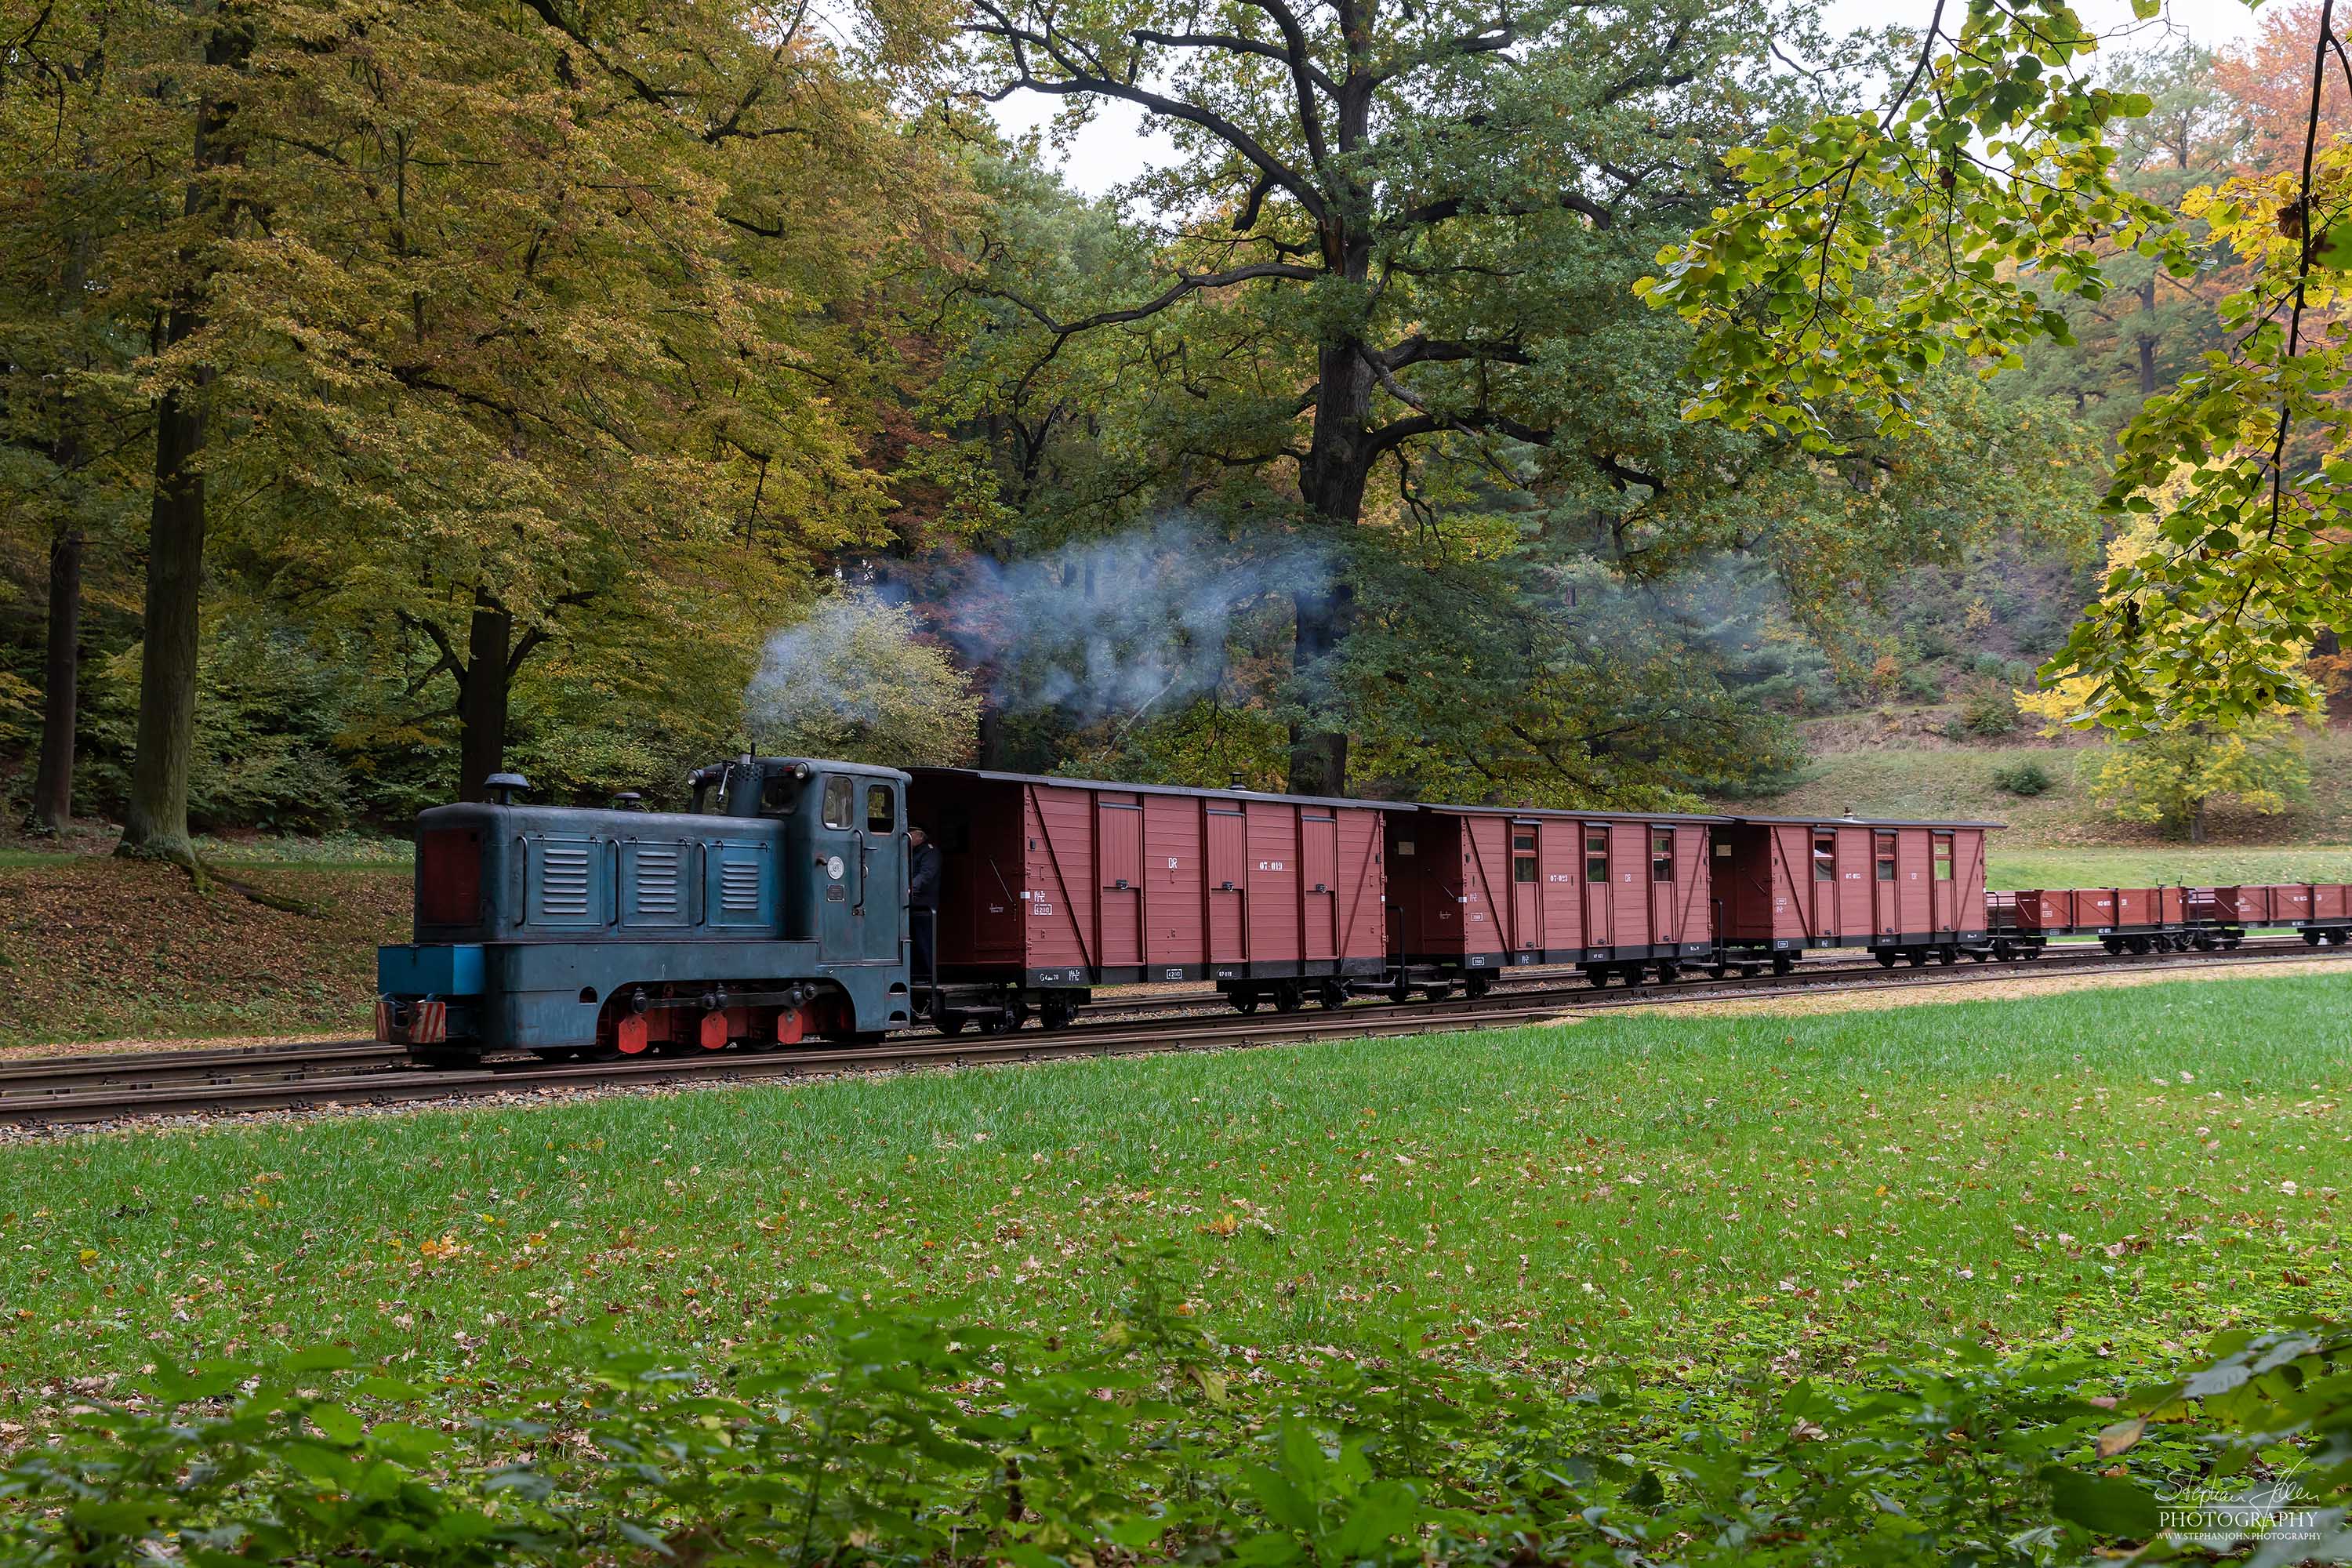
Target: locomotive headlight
832 867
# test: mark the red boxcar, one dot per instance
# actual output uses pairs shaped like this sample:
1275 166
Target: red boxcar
1052 884
1789 883
1476 888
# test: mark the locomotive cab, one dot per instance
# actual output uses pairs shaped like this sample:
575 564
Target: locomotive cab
771 909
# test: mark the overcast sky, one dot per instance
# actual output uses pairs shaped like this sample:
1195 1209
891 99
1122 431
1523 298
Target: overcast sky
1117 147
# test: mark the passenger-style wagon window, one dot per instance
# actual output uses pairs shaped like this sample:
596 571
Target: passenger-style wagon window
1596 854
1523 855
881 808
1886 857
1942 857
1662 854
1825 857
840 801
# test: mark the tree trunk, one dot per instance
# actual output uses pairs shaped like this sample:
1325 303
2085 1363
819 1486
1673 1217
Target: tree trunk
53 779
2196 823
1331 482
2147 341
482 701
156 820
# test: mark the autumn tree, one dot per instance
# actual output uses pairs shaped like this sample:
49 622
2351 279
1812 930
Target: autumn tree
1953 218
1389 221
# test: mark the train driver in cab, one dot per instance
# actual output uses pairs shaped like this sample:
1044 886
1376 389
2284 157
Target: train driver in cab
923 866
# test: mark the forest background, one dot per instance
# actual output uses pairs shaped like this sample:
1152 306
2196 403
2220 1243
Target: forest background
392 393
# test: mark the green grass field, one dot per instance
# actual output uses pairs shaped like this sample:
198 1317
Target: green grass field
2198 866
2136 1166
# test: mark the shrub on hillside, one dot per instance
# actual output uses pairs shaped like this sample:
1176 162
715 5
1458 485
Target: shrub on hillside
2026 778
1988 709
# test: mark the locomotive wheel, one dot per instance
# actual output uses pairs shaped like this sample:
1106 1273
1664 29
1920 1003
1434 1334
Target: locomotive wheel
951 1021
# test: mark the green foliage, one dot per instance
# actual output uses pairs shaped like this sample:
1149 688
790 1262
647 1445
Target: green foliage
880 1435
2023 779
1867 251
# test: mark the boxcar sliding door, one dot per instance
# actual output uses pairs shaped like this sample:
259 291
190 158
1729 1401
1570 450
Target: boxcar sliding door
1228 890
1527 893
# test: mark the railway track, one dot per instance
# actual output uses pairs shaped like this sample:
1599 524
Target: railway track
358 1075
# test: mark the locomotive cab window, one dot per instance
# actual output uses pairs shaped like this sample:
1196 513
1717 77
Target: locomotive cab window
1523 855
1886 857
881 808
1662 854
1596 854
779 792
1825 857
1943 857
840 801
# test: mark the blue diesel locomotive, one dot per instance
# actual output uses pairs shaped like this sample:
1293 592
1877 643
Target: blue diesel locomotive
770 910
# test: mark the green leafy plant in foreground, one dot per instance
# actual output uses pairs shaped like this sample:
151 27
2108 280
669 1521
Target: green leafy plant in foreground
857 1435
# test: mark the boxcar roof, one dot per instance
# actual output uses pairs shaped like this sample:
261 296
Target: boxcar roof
1056 782
1862 822
1531 812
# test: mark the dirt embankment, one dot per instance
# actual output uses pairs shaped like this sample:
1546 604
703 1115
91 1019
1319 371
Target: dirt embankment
98 949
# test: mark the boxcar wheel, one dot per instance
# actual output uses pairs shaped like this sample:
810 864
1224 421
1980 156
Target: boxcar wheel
1055 1013
1596 978
1717 971
950 1022
1887 957
1436 992
1288 998
1784 963
2230 943
1245 1001
1399 992
1750 971
2311 939
1947 955
1633 973
1668 974
1476 986
1332 994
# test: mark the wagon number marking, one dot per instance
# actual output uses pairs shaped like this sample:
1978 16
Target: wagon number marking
1269 865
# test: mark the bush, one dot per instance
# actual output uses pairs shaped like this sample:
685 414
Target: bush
2026 779
1988 711
885 1435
